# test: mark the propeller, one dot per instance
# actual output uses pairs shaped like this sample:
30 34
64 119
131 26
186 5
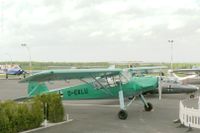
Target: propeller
160 87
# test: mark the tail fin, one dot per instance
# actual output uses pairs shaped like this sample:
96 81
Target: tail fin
35 88
176 76
172 74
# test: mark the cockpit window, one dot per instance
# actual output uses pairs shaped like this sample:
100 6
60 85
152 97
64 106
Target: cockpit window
107 82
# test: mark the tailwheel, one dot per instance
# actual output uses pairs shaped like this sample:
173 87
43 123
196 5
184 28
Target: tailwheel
149 107
123 114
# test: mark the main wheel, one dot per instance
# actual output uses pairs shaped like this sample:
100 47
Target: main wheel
122 114
149 108
192 96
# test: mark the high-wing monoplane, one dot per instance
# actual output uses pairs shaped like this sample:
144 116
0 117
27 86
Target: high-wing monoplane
95 84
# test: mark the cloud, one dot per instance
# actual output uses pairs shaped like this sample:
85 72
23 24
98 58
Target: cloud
93 26
111 7
96 33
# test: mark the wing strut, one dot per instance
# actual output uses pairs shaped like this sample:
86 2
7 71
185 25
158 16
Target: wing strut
104 88
97 81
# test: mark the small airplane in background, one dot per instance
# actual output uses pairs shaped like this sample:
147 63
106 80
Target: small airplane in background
12 70
168 84
192 78
95 84
138 71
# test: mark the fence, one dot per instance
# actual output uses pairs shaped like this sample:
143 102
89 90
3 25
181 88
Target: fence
189 117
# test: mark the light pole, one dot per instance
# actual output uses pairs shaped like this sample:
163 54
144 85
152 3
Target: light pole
9 57
171 62
29 52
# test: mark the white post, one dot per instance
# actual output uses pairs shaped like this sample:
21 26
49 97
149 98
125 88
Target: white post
45 122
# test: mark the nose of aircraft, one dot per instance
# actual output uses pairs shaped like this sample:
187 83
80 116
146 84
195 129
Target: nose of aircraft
194 88
197 88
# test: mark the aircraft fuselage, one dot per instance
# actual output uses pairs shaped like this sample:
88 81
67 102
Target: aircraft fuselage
135 86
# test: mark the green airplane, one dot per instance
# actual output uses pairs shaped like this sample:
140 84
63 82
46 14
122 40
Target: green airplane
96 84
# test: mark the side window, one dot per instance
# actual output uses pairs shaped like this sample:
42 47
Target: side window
100 83
103 83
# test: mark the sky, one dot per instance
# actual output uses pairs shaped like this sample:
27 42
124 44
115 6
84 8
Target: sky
100 30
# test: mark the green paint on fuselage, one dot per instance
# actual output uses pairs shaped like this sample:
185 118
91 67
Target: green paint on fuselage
135 86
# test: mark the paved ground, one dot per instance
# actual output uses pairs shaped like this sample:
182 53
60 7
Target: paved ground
101 116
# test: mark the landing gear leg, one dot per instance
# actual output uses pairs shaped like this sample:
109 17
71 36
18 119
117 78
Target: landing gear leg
147 106
122 113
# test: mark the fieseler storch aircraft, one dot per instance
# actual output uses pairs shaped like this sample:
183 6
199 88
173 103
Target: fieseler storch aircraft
12 70
96 84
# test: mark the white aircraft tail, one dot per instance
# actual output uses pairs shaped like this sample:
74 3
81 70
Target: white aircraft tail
111 67
172 74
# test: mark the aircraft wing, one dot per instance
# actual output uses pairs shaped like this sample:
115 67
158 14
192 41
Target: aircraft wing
146 70
196 70
68 74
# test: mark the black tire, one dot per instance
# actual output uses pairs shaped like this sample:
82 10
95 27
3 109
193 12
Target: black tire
192 96
122 114
149 108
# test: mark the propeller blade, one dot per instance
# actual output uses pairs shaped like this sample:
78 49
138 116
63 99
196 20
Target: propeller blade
160 87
